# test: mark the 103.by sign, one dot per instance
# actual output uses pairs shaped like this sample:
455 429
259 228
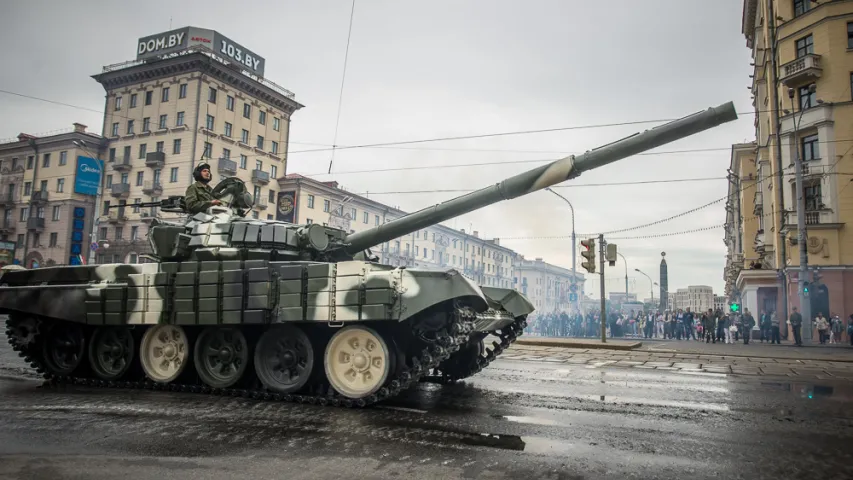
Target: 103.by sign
183 38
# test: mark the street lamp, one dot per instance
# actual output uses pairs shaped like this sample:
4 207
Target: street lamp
626 273
651 287
805 306
574 250
93 236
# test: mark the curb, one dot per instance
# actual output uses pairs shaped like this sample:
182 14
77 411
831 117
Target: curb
556 342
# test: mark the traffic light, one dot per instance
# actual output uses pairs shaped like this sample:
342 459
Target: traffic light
610 254
734 307
806 289
589 255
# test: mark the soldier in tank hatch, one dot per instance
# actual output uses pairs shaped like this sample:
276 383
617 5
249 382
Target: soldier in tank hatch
199 195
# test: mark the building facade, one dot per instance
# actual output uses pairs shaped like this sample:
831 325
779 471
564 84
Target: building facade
803 99
699 298
48 194
548 286
169 110
484 260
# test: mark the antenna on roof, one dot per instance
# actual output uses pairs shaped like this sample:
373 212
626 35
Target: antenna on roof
170 23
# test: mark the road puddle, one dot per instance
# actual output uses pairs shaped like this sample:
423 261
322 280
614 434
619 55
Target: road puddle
533 445
812 391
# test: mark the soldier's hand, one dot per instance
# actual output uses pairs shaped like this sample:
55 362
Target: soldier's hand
216 202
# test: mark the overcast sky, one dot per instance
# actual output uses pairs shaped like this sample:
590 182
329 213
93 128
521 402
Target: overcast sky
420 70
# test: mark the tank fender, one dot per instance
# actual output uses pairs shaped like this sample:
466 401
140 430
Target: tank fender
508 299
421 289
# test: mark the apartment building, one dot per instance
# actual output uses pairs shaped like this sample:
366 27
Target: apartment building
802 89
699 298
48 186
547 286
191 95
312 201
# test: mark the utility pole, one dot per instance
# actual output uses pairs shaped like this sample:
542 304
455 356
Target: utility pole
802 236
603 305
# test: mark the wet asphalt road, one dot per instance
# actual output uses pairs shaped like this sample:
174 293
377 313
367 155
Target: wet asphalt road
516 419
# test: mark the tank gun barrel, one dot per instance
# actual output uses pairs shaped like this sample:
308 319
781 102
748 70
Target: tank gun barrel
544 176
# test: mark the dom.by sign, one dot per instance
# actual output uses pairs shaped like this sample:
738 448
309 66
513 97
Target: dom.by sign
174 41
88 176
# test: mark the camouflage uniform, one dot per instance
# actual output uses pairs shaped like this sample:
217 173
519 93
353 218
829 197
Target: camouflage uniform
199 198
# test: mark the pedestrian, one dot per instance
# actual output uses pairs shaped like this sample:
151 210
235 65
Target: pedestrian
835 329
850 329
764 326
774 328
708 326
822 327
748 323
796 324
731 329
659 325
688 325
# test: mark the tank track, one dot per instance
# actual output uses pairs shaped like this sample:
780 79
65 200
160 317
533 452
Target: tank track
447 341
462 364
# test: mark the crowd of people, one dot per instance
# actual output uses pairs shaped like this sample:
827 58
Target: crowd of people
712 326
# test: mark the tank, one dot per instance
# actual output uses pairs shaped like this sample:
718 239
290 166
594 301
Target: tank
272 310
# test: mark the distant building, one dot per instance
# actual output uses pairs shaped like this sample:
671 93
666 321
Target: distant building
622 297
547 286
720 302
697 297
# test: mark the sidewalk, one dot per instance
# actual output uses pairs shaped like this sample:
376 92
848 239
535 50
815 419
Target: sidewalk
755 349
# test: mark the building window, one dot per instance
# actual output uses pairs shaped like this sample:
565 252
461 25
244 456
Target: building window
376 222
262 117
60 185
260 142
271 197
130 127
273 147
210 122
143 149
63 158
208 150
45 160
118 103
176 146
366 218
812 196
276 123
243 161
353 214
211 95
244 136
133 100
801 7
247 110
54 237
259 165
310 201
127 154
810 148
134 234
148 97
146 124
228 129
164 97
173 175
226 153
103 234
160 146
140 176
115 129
182 91
112 154
805 46
229 103
180 119
56 212
326 205
273 171
163 122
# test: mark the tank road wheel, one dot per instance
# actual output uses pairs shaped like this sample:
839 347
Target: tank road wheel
111 352
221 356
164 352
63 348
284 359
357 361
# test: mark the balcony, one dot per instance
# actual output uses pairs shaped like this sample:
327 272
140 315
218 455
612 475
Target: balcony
8 226
120 190
260 177
261 203
155 159
117 215
814 219
759 203
123 164
9 199
39 196
803 70
35 223
227 166
152 188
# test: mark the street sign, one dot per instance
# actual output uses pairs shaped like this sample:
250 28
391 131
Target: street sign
94 246
573 287
573 297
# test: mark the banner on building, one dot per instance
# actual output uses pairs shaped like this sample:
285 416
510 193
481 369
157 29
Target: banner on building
88 176
286 206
